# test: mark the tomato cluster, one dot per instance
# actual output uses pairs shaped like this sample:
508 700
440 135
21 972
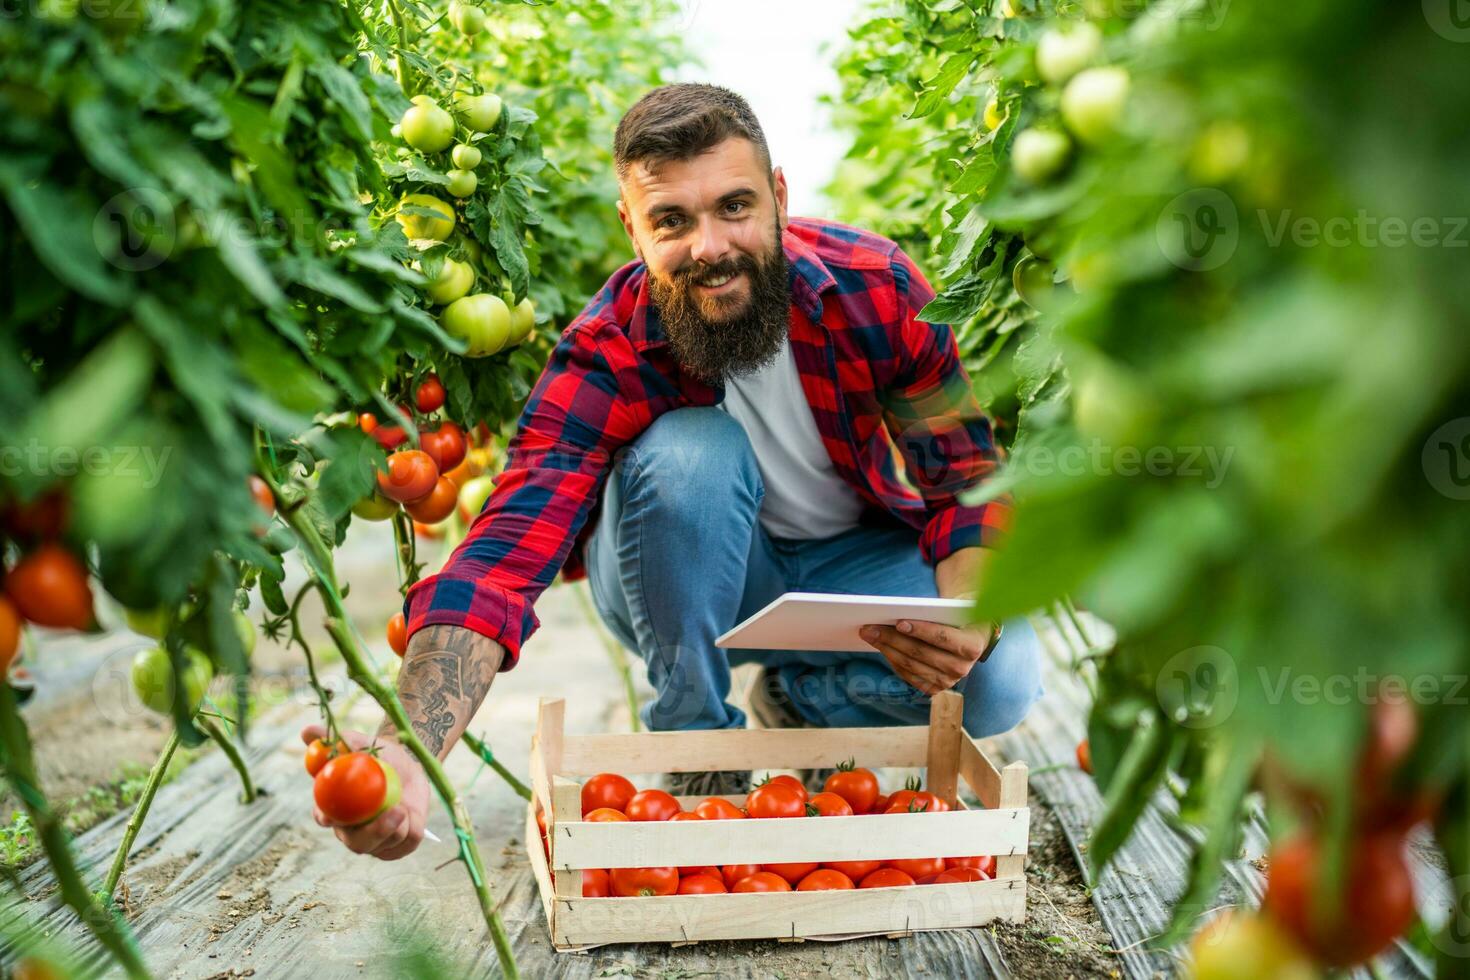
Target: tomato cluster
48 586
609 797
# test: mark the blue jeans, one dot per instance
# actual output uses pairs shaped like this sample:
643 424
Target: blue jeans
679 557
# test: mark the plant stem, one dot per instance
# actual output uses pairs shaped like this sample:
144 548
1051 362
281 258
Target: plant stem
299 639
211 728
483 751
319 567
408 567
615 652
400 66
20 771
140 812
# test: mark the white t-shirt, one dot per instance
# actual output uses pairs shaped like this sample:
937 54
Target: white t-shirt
805 496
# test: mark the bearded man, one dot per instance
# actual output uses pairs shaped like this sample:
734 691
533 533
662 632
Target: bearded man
751 407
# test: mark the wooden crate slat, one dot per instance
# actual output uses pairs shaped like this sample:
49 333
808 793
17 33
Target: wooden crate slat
787 915
686 843
757 749
942 757
979 773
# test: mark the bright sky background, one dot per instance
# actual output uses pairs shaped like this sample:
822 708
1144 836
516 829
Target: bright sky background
770 51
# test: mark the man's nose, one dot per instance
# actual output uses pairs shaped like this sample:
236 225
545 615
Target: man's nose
711 243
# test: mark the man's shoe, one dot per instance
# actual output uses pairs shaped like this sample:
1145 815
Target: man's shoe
769 705
712 783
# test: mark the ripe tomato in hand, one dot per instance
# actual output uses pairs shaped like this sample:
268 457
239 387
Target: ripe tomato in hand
651 804
595 883
918 867
49 587
856 870
734 873
886 878
429 396
410 476
636 882
397 633
792 872
825 879
826 804
604 814
1376 903
701 884
606 789
353 789
985 864
859 787
438 505
762 881
718 808
775 799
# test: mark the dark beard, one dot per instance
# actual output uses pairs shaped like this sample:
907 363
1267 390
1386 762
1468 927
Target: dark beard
736 341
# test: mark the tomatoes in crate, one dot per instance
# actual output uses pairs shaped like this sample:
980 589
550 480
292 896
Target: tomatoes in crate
606 789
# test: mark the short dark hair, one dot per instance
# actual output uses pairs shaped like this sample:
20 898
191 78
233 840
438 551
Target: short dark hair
679 122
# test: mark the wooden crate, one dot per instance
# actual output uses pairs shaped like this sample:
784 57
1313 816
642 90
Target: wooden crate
999 829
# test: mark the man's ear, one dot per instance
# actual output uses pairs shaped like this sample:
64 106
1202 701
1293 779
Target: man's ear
627 220
778 184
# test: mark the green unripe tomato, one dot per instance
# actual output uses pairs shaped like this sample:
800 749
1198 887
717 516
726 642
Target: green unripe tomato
466 17
246 630
155 683
1093 102
482 321
426 226
465 157
480 112
1062 54
462 183
454 280
375 507
522 320
1039 154
427 128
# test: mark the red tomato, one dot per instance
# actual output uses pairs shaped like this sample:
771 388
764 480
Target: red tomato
43 519
985 864
411 475
886 878
9 634
762 881
1084 756
859 787
789 781
319 753
791 872
826 804
261 491
390 437
718 808
445 446
825 879
397 633
438 505
354 788
926 879
928 803
856 870
637 882
606 789
701 884
918 867
733 873
880 804
1372 907
651 804
429 396
541 821
595 884
775 799
952 875
604 814
49 587
367 422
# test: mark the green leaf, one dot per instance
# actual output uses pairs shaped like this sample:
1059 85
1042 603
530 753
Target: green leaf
1128 794
344 89
943 84
971 232
60 226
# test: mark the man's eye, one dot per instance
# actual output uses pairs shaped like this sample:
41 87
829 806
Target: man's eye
734 207
670 221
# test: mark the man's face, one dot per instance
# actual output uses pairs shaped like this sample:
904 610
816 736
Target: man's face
708 229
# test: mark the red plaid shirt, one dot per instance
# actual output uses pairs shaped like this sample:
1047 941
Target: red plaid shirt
890 398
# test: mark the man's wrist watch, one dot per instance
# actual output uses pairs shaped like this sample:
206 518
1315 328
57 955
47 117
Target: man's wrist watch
994 642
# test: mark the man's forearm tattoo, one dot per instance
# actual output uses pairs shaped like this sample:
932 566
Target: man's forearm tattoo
445 674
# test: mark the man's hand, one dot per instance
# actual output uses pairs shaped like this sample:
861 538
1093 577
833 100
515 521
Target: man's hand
930 656
396 832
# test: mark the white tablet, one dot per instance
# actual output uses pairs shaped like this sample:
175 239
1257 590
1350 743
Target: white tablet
820 621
